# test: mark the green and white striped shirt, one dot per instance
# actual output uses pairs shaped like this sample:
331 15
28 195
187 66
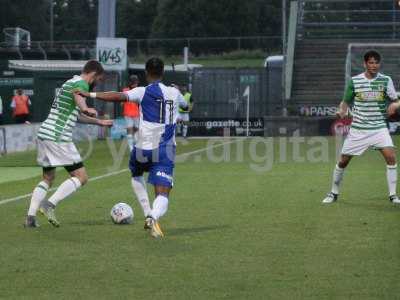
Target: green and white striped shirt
64 113
369 98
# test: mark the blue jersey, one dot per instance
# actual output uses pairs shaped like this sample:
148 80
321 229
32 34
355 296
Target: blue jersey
154 151
159 110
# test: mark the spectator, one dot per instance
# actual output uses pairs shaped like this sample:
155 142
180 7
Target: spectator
20 105
131 113
184 119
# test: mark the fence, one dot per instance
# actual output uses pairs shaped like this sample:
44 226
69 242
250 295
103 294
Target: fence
234 98
81 50
22 137
203 46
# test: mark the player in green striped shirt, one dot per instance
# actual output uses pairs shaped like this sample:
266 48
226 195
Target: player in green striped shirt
55 146
369 95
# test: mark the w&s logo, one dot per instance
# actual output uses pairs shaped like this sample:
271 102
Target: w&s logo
111 56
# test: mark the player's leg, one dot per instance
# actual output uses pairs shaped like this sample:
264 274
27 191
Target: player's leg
185 123
160 204
38 195
179 124
138 164
129 132
130 138
389 155
337 178
78 178
355 144
161 176
383 142
185 129
160 208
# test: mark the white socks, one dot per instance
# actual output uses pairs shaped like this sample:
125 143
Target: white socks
337 178
139 188
38 195
131 141
160 207
68 187
391 175
160 204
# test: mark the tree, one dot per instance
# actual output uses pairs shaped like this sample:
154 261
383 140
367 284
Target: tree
135 18
189 18
75 20
27 14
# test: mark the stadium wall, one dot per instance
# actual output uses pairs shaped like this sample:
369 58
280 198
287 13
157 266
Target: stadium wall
17 138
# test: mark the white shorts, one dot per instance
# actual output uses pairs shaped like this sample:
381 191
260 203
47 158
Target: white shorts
52 154
131 122
184 117
357 141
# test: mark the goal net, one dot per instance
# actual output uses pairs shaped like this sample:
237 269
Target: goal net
390 64
17 37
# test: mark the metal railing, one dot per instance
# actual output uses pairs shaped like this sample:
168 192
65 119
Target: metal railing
203 46
84 49
68 50
349 19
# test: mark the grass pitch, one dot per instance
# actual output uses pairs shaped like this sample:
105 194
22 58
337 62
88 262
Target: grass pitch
231 232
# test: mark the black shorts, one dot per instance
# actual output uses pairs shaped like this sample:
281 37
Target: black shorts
69 168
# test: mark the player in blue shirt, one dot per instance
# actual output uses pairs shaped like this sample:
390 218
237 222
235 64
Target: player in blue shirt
154 151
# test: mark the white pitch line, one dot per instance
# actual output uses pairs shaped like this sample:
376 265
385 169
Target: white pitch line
115 172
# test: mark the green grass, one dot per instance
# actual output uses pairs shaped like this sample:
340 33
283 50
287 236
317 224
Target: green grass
231 233
18 173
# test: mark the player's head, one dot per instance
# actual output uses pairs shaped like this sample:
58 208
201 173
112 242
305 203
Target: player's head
372 61
183 88
133 81
93 71
154 68
19 91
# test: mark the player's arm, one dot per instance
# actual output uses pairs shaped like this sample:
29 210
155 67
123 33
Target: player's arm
90 120
191 104
343 110
81 103
347 100
134 95
394 107
181 101
109 96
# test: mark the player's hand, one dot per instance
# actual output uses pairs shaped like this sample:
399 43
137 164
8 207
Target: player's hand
341 114
81 93
392 109
91 112
107 123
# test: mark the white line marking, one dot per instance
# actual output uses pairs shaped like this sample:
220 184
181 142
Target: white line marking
116 172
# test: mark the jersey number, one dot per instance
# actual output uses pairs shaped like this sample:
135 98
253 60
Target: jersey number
163 111
55 103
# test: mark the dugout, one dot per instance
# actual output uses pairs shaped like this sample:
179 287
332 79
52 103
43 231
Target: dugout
40 80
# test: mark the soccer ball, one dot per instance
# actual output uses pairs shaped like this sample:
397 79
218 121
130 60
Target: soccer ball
122 213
